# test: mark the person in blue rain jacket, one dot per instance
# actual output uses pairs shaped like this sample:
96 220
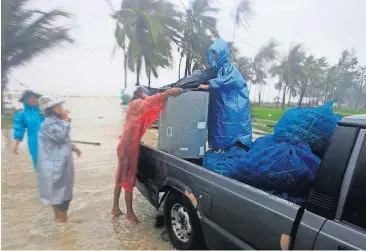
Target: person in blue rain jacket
29 119
229 120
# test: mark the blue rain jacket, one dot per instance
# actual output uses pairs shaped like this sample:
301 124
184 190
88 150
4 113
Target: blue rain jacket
229 119
29 119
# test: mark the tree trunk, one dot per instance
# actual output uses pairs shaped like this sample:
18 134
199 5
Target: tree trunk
149 78
187 64
138 70
301 98
302 93
284 98
234 35
3 87
259 94
326 92
278 98
180 64
2 98
289 100
125 67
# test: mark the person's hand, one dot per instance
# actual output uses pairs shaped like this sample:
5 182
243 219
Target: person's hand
204 87
16 147
76 150
65 115
175 92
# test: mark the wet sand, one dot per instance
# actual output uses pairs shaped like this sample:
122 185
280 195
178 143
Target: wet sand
26 224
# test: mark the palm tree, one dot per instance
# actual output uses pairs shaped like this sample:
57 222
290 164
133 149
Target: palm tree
288 71
331 80
245 67
27 34
148 24
121 38
266 54
312 70
198 28
242 14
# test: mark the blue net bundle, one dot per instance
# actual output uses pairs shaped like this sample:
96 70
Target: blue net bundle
224 162
274 165
313 126
269 164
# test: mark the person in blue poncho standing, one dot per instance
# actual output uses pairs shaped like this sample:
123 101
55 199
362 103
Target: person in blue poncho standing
229 120
29 119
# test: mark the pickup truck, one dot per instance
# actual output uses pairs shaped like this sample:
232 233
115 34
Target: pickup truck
205 209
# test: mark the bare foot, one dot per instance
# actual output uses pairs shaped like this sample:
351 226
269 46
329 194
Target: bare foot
60 222
116 212
132 218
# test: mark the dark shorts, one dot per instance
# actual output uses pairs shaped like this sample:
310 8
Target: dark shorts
64 206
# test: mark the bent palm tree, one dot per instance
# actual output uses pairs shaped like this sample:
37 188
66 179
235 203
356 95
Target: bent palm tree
150 26
27 34
266 54
198 28
288 71
242 14
312 70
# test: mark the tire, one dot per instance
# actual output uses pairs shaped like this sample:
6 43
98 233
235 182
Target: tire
182 223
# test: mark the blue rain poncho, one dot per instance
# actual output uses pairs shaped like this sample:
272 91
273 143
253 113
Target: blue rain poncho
55 162
29 120
229 118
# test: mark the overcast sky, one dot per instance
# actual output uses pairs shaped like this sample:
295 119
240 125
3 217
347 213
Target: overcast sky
86 67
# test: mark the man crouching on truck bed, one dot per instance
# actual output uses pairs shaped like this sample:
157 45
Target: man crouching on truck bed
142 110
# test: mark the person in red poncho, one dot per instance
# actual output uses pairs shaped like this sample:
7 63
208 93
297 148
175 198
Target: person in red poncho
142 110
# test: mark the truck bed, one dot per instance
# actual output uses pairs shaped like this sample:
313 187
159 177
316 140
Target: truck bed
234 209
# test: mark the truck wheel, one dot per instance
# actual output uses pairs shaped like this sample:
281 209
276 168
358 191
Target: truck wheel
182 223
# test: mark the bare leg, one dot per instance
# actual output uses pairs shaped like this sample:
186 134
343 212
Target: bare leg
130 216
63 216
117 193
56 213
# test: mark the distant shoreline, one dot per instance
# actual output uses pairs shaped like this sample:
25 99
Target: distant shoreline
71 96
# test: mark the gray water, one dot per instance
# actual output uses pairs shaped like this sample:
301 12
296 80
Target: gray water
26 224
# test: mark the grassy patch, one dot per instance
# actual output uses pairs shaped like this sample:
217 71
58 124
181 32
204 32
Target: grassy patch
349 112
273 114
6 121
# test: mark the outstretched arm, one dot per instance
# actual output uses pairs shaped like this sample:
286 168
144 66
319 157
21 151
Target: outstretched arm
19 130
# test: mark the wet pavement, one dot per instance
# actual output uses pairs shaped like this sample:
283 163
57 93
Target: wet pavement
26 224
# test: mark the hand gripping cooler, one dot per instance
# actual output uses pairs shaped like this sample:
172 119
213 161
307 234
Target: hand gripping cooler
183 125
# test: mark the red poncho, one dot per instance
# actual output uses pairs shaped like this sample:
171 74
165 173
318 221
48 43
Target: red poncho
140 114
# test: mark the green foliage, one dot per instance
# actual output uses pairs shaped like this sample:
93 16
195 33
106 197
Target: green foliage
144 31
26 34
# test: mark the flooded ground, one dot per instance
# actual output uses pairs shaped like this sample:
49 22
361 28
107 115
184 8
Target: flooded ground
26 224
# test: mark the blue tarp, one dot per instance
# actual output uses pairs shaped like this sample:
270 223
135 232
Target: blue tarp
229 119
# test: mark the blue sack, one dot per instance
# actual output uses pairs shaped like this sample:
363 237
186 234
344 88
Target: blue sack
224 162
314 126
280 166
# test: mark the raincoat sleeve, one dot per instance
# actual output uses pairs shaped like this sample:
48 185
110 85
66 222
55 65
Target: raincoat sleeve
58 131
19 126
152 107
228 79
